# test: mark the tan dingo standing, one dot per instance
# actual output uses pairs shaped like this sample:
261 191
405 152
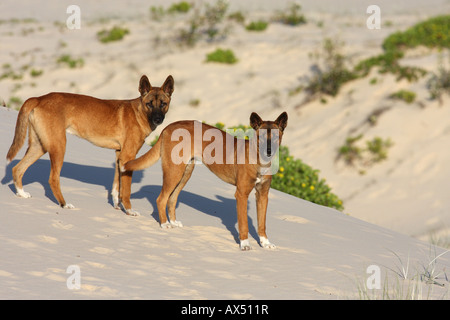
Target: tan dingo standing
241 167
121 125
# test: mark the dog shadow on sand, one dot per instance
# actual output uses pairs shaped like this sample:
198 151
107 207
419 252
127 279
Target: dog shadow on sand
40 171
221 207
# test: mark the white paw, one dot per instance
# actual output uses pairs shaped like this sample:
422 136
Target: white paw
176 223
22 194
69 206
265 243
132 212
166 225
245 245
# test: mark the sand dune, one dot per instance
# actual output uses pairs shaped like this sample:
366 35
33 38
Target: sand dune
321 253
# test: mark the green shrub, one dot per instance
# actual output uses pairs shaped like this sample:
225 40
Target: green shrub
378 149
375 151
194 102
349 151
36 73
259 25
114 34
181 7
205 22
300 180
432 33
8 72
70 62
291 16
221 56
439 82
328 78
386 62
157 13
405 95
237 16
389 62
213 16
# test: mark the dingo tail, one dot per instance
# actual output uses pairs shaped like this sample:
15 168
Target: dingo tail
146 160
21 128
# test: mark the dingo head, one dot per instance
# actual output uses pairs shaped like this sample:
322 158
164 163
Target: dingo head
155 101
268 133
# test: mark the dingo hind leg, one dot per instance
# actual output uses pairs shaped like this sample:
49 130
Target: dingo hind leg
172 203
34 152
172 177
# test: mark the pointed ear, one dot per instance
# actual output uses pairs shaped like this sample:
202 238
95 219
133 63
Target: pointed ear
282 121
144 85
168 86
255 121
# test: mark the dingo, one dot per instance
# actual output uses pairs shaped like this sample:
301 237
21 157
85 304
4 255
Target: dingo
122 125
245 175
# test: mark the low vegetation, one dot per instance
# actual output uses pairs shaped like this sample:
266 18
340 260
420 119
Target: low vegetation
301 180
36 72
115 34
180 7
329 75
292 15
439 82
205 23
404 95
9 73
378 149
225 56
330 72
237 16
70 62
409 282
157 13
431 33
374 151
349 151
259 25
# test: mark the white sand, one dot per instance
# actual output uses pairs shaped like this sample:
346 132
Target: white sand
322 253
